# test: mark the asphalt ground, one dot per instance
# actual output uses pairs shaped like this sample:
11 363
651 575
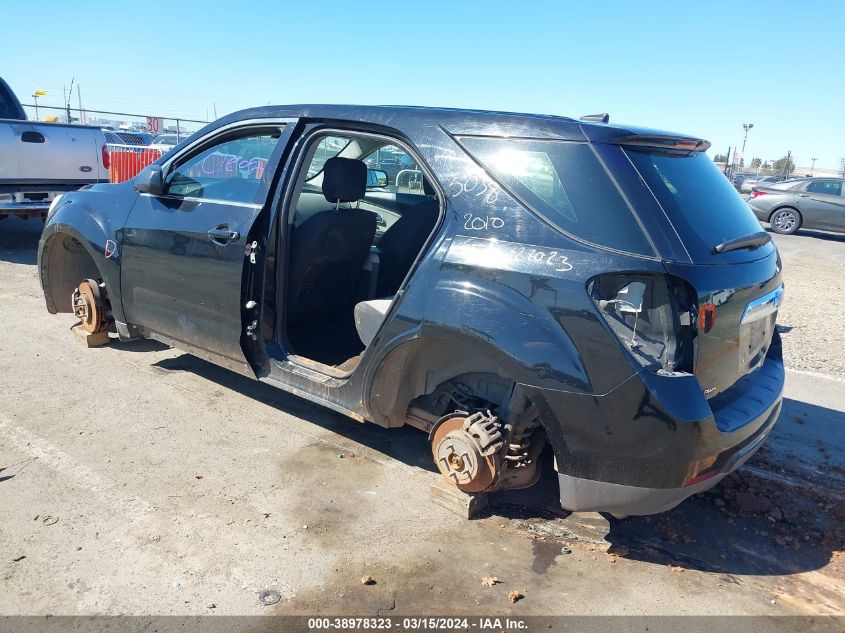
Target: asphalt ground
137 479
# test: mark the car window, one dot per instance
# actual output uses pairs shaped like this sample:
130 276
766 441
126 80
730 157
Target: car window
704 209
403 173
328 147
230 170
7 108
827 187
566 184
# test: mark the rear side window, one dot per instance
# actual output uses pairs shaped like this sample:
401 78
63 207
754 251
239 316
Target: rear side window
699 201
566 184
827 187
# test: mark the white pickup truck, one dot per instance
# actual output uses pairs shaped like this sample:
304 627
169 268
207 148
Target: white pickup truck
38 161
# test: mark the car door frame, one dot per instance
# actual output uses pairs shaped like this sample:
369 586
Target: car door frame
264 196
270 358
826 208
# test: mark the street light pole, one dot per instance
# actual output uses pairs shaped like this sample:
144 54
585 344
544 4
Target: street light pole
813 167
746 127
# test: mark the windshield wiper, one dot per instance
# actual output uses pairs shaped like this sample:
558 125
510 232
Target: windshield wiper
755 240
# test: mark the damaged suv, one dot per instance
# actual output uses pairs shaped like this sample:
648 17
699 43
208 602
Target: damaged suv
500 281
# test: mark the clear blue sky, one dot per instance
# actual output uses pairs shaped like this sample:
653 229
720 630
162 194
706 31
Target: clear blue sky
698 67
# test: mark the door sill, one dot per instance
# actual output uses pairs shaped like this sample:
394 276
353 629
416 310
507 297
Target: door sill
344 370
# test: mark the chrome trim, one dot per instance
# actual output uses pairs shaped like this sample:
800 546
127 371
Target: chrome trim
230 203
763 306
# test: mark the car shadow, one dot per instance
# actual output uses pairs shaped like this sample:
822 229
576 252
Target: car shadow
822 235
721 531
405 444
19 240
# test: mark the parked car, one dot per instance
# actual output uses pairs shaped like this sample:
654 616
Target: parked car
135 138
739 179
166 142
112 138
38 161
748 183
811 203
599 288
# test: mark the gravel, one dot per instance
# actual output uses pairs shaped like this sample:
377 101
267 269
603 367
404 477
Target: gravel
812 317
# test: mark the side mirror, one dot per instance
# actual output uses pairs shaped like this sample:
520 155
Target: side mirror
376 178
150 181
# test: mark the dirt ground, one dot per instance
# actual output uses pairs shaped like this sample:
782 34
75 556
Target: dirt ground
139 480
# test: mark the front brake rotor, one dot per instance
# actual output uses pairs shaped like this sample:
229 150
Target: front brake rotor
89 307
458 457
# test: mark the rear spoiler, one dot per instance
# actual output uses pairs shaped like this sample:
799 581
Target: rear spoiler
642 137
664 142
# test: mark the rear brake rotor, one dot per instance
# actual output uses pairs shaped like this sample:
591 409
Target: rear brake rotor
89 307
459 458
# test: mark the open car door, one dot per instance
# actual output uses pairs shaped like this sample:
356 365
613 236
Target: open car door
185 248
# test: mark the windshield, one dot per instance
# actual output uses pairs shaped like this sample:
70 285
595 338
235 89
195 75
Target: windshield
701 204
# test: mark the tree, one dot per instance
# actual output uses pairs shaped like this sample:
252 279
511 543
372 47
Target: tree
755 163
784 165
720 158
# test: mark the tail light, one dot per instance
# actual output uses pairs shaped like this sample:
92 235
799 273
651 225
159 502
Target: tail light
757 194
651 315
106 157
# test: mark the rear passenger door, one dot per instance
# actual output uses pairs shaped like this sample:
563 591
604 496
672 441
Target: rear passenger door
823 205
183 266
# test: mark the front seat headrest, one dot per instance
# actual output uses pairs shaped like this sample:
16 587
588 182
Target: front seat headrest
344 179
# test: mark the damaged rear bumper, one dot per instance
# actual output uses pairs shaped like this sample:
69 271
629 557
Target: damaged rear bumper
655 440
587 495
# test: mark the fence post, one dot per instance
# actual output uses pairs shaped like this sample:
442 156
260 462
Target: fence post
177 131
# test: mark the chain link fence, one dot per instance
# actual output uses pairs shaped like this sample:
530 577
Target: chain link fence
133 140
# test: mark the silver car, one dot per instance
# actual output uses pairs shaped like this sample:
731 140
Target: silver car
811 203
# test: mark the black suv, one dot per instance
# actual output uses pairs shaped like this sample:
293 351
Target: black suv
595 287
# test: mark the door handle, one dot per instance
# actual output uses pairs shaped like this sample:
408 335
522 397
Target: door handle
32 137
803 195
222 234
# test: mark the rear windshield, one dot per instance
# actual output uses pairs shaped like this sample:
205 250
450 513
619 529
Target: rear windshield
566 184
701 203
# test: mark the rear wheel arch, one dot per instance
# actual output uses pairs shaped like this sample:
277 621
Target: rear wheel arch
417 367
65 261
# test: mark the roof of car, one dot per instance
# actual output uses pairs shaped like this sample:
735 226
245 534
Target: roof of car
458 121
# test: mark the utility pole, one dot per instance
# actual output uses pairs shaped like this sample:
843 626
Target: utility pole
81 113
35 95
746 127
68 95
728 163
813 166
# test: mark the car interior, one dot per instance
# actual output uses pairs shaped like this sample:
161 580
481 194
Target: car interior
361 212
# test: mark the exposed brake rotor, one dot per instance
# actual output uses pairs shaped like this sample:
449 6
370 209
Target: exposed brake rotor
90 307
466 450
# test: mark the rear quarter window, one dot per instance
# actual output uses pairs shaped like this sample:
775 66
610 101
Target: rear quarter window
566 184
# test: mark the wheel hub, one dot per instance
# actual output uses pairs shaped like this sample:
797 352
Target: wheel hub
89 306
460 457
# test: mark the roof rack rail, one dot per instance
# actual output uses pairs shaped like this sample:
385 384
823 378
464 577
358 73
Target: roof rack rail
604 117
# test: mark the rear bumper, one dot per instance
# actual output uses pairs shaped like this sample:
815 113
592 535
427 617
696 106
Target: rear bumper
656 440
586 495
